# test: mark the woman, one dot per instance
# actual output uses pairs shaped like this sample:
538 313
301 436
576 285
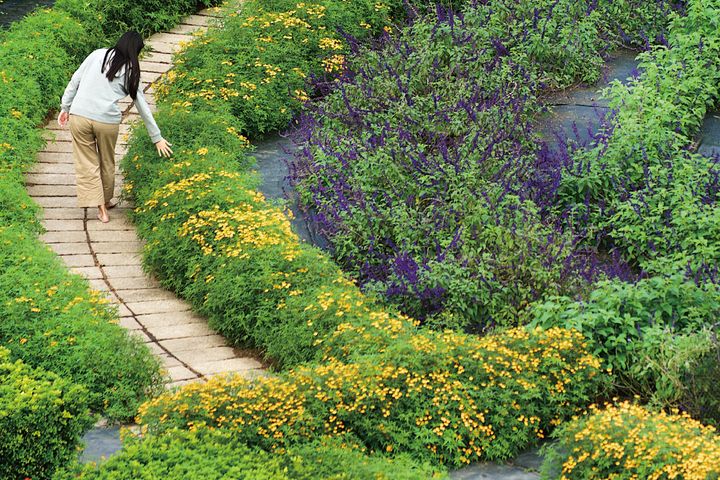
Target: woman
89 104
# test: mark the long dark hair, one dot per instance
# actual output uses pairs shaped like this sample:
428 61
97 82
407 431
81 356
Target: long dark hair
126 52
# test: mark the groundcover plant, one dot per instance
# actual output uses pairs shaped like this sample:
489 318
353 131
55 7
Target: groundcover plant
64 359
444 106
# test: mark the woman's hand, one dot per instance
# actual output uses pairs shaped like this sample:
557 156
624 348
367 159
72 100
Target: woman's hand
63 118
163 148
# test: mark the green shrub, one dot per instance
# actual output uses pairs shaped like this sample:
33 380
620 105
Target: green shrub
42 418
445 397
144 16
639 187
49 319
628 441
656 334
215 455
255 67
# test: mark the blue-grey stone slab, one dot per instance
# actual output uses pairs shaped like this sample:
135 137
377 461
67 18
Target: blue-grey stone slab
14 10
710 135
273 155
100 443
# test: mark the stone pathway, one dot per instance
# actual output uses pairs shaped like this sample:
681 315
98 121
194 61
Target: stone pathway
109 255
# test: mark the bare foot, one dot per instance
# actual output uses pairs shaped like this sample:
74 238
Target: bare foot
103 214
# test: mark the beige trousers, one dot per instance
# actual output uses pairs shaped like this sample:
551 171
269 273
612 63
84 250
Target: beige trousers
94 156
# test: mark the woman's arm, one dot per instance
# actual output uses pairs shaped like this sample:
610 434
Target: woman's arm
143 108
72 87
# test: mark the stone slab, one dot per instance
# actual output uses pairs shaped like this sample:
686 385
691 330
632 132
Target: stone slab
186 29
62 134
163 47
160 306
146 295
205 355
118 259
55 157
180 344
124 311
58 146
180 373
229 365
169 361
63 225
158 57
180 331
99 284
56 201
78 248
49 179
133 283
52 190
169 319
64 237
78 260
130 323
63 213
118 221
91 273
52 168
182 383
117 247
123 271
196 20
110 236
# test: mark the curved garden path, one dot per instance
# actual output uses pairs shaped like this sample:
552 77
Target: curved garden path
109 255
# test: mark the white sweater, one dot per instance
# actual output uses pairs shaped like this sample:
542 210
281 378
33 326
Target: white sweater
90 94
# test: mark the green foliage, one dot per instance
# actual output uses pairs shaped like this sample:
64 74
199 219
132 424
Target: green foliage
216 455
49 319
640 185
256 65
42 418
143 16
447 398
627 441
657 335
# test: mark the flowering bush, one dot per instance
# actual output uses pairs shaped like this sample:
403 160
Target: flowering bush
216 455
658 335
445 397
49 318
421 164
627 441
256 66
42 418
638 187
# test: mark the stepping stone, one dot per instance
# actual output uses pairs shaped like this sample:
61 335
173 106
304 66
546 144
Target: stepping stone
123 271
56 201
169 361
130 323
205 355
62 225
196 20
57 157
113 259
169 319
62 134
124 311
173 307
166 37
49 179
180 331
180 373
182 383
64 237
179 344
146 295
58 147
229 365
111 235
186 29
52 190
133 283
158 58
91 273
117 247
78 260
53 168
162 47
156 67
70 248
63 213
